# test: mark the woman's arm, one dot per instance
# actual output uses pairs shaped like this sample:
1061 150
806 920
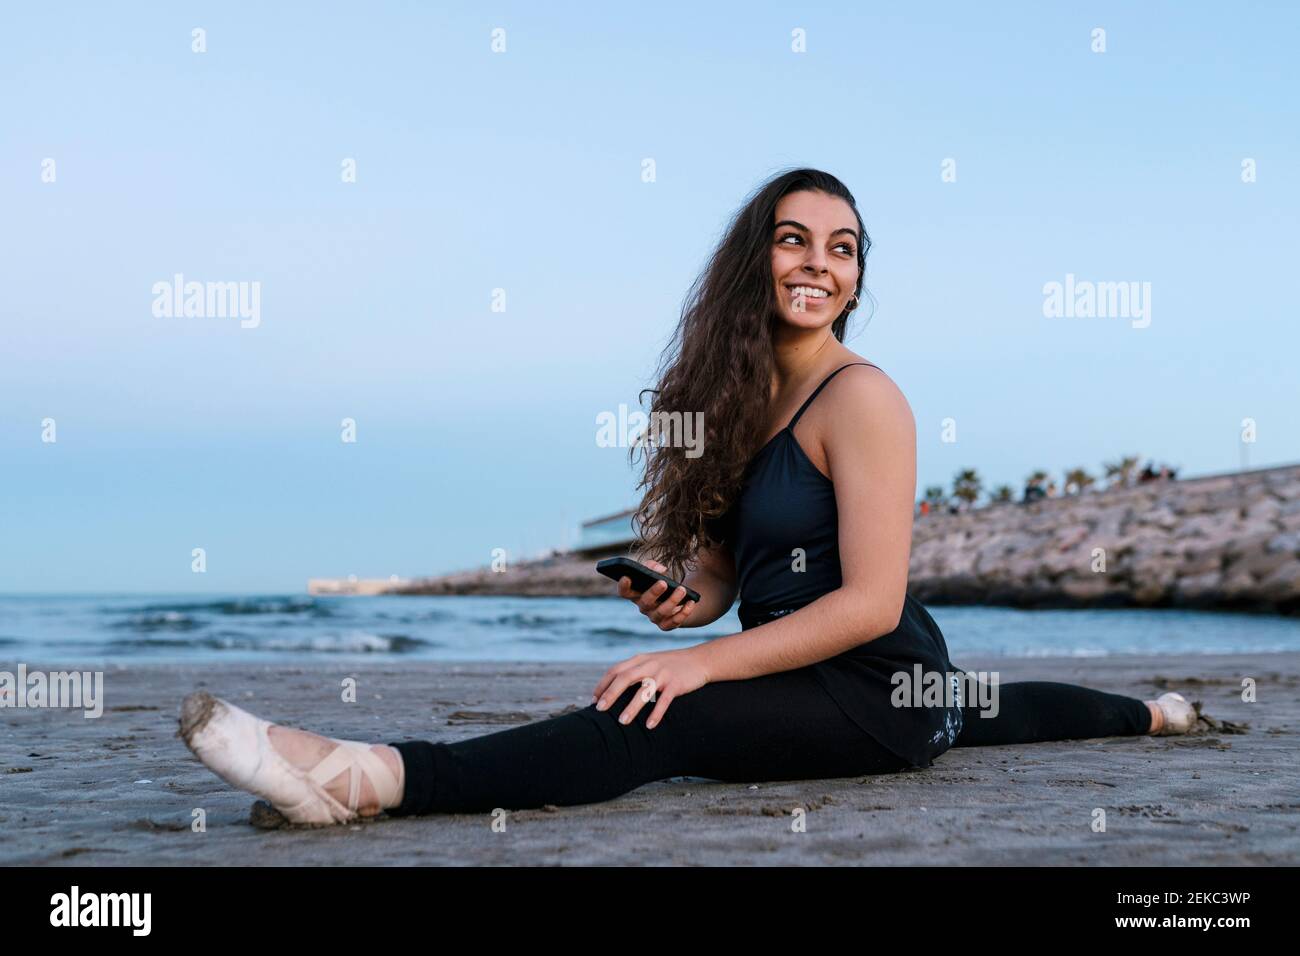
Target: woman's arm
870 440
715 579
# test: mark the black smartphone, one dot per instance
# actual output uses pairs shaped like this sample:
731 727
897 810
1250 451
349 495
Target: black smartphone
642 577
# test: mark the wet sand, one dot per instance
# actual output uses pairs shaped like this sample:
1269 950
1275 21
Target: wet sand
120 790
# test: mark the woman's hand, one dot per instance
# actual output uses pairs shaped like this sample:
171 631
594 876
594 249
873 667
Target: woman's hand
670 673
666 615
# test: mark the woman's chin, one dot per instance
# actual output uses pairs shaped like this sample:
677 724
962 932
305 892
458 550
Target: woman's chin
806 321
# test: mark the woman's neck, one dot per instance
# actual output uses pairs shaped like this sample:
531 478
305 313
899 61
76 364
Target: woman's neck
796 352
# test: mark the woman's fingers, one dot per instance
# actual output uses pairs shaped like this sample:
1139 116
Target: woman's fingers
625 590
668 606
600 688
682 614
643 696
607 679
607 698
664 613
657 714
623 680
653 678
650 597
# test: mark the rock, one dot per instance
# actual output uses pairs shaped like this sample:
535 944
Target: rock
1162 518
1264 509
1289 543
1239 586
1088 590
1260 564
1283 584
1200 561
1155 586
1222 541
1198 587
1245 544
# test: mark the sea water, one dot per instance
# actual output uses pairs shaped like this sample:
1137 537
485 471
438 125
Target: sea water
197 628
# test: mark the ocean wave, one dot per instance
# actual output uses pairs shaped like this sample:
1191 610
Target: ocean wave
525 619
350 642
160 621
238 606
1065 652
421 617
614 632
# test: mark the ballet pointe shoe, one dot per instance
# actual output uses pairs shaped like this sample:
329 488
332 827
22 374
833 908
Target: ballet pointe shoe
235 745
1177 715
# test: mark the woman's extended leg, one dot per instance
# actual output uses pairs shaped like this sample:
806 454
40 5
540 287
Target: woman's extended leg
780 726
1034 711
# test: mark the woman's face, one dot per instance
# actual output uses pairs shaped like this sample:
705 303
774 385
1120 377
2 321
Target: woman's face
814 258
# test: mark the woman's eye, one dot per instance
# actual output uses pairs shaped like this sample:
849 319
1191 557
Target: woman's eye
846 246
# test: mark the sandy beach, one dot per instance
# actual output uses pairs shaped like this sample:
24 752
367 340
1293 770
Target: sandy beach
121 789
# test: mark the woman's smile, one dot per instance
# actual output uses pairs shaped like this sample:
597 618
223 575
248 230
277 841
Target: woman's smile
810 295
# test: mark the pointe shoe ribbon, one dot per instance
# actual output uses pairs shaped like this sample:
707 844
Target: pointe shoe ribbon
235 745
358 760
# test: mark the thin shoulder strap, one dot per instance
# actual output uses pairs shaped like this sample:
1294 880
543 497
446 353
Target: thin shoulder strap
804 407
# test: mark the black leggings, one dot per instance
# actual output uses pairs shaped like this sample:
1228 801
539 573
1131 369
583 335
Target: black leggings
781 726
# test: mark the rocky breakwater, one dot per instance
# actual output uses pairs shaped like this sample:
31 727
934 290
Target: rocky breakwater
1228 542
560 575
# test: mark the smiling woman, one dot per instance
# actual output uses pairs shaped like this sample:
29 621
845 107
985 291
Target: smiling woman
801 505
798 235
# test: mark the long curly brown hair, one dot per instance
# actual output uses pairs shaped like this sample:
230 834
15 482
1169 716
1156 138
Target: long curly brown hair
719 362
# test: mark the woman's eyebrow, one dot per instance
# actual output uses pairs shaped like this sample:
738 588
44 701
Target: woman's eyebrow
800 226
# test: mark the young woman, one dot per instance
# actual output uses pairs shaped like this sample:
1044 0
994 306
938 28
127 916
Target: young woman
801 505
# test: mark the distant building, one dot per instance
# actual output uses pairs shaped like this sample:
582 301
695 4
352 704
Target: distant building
613 533
354 586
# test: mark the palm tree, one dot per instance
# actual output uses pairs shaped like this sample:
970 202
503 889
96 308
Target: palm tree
1079 479
1120 473
934 495
966 486
1002 494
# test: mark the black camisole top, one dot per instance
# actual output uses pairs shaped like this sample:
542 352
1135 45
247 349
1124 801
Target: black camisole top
787 506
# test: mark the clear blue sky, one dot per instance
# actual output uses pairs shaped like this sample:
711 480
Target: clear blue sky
522 170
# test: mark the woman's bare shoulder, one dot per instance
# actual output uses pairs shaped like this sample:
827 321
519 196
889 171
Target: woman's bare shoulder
864 410
866 391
